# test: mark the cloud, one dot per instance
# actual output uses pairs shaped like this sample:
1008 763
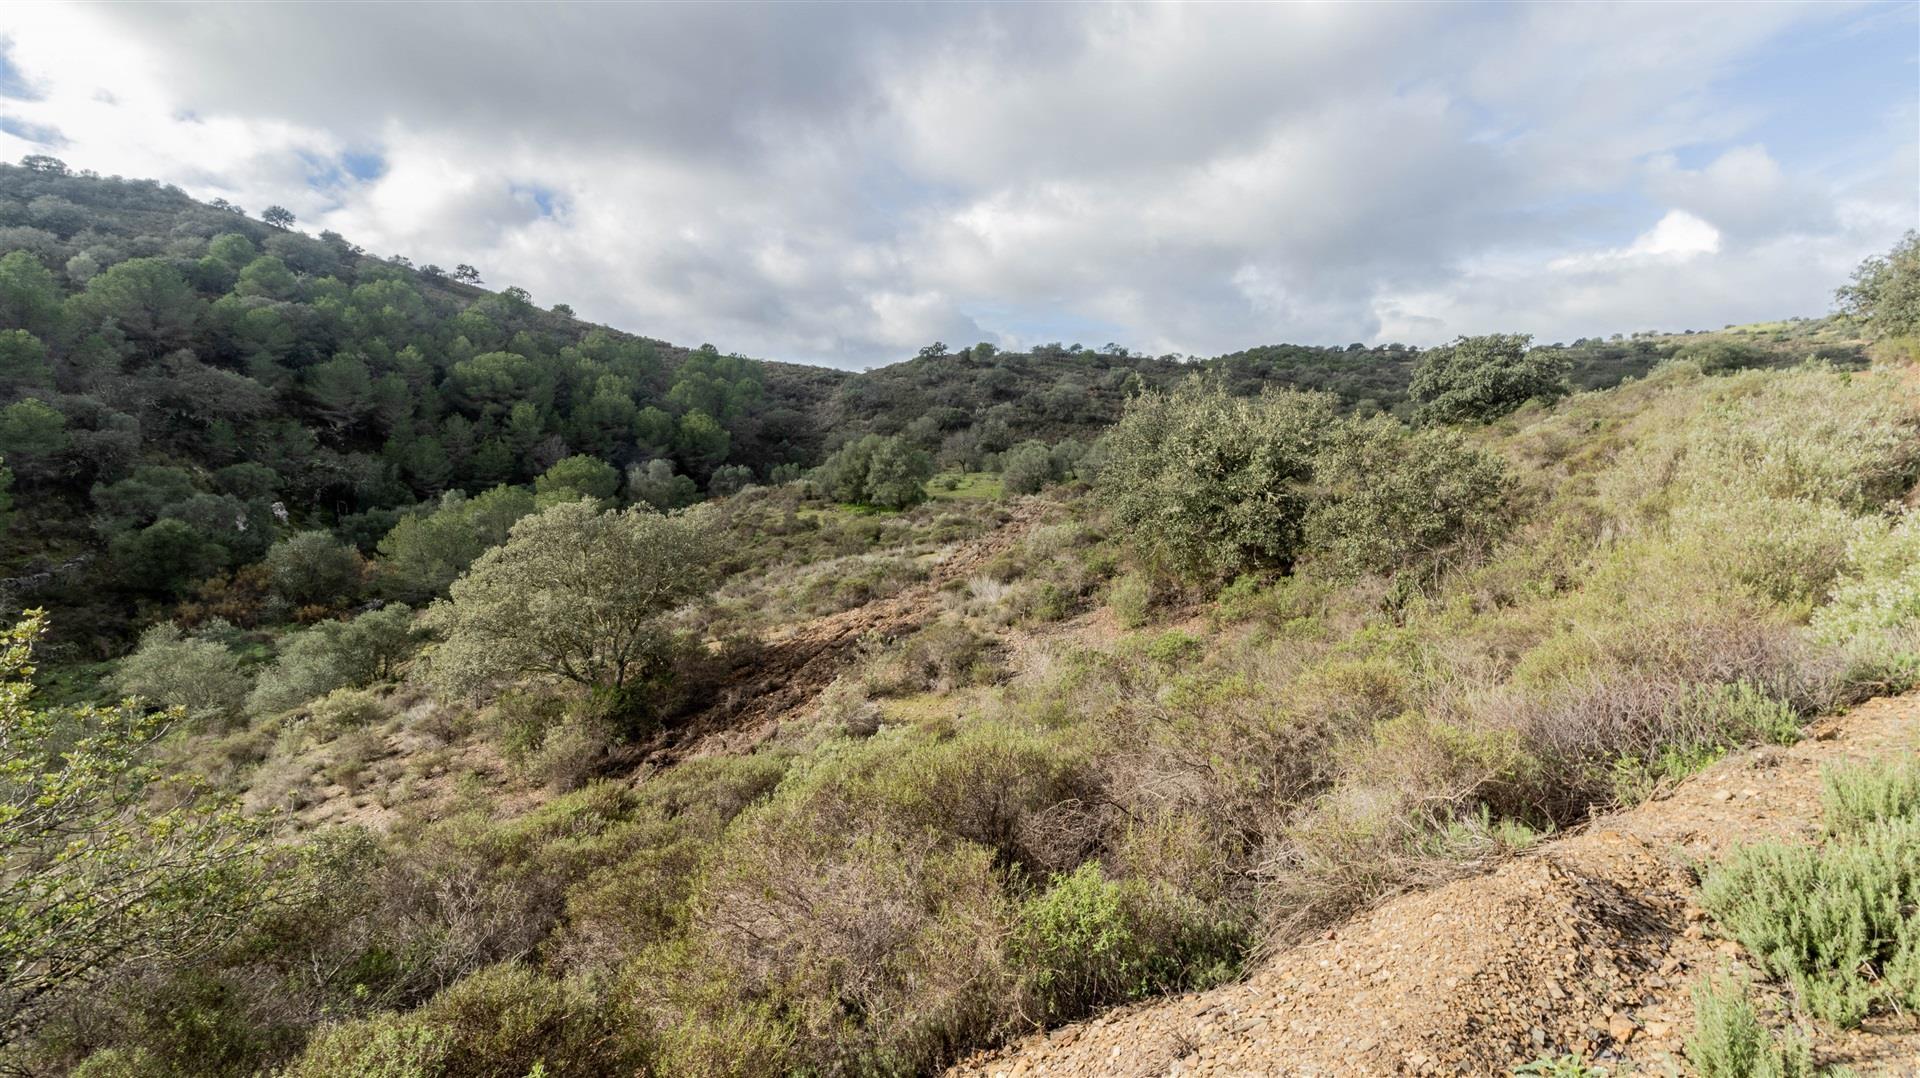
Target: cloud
843 183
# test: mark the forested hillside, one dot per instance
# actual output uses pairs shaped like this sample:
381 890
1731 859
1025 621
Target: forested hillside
432 684
183 384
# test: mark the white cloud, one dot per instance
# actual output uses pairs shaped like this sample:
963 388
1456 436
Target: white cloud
843 184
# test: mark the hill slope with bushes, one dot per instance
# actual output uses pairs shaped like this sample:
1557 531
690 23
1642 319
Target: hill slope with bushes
889 747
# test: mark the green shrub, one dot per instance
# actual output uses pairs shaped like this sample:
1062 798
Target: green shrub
941 656
1476 379
343 710
1390 498
334 655
1132 599
879 471
1855 797
1880 592
1728 1040
1209 485
174 670
1087 941
1027 468
1719 355
1829 920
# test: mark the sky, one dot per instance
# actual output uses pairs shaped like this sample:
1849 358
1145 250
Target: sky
844 184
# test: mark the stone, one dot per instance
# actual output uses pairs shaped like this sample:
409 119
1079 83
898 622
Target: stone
1620 1027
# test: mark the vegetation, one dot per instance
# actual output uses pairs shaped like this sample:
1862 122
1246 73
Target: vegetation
99 869
575 593
1836 922
1088 714
1482 378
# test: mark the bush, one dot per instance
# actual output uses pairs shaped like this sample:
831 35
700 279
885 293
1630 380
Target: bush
1476 379
942 656
1087 941
886 472
313 568
1132 600
174 670
1837 922
1027 468
506 1021
1728 1040
1391 499
334 655
1719 355
1211 486
1855 797
574 594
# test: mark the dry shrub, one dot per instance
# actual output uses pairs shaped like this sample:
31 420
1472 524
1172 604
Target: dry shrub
882 953
940 657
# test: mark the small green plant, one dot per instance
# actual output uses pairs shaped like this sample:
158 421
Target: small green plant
1729 1040
1857 797
1836 922
1131 599
1566 1065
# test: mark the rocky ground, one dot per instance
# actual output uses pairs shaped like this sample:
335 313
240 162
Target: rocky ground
1586 945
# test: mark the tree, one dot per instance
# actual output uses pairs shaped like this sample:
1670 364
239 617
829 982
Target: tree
1210 486
23 362
575 594
729 479
701 441
164 558
40 162
427 552
267 277
277 216
654 484
466 274
335 655
314 568
29 296
1027 468
1884 295
1388 499
146 299
101 866
1477 379
200 677
577 477
32 434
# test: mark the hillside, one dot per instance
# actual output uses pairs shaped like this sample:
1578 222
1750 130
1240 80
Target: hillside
1583 947
181 379
704 716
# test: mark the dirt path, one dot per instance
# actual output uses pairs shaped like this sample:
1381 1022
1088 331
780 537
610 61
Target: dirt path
1589 944
795 668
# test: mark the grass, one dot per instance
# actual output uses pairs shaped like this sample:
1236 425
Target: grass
965 487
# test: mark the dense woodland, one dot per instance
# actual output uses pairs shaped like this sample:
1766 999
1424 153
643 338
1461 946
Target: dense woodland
384 615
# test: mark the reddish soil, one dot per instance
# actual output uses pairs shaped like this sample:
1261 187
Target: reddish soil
791 671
